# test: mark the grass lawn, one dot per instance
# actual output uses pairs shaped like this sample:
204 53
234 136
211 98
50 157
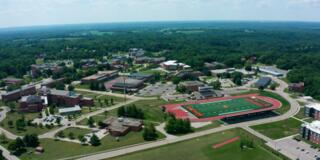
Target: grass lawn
76 131
101 97
60 149
201 148
279 129
151 108
285 104
214 124
28 129
82 86
300 114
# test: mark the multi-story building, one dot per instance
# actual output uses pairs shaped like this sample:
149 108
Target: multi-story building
311 131
312 110
18 93
32 103
67 98
192 86
101 76
12 81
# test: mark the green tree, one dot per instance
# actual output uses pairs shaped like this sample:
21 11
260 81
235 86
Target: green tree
31 140
70 88
94 140
150 133
216 85
90 122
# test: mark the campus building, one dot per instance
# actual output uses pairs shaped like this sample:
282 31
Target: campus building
143 60
136 52
18 93
141 76
271 70
51 83
312 110
311 131
12 81
129 85
68 98
296 87
32 103
70 110
38 69
205 92
101 76
122 126
192 86
173 65
263 82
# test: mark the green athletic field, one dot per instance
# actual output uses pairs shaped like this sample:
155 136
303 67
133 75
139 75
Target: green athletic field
223 107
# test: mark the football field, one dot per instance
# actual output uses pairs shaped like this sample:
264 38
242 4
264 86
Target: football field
223 107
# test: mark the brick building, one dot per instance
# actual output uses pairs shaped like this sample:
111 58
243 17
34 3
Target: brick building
122 126
32 103
312 110
101 76
18 93
192 86
311 131
296 87
68 98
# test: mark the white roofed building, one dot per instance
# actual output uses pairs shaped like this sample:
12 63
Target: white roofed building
312 110
311 131
174 65
70 110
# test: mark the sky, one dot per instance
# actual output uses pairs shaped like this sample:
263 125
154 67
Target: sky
15 13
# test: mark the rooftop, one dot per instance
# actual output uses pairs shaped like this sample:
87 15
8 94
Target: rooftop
192 83
313 126
100 74
76 108
315 106
272 70
63 93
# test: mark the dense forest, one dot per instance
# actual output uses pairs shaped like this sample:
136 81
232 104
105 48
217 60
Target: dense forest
294 46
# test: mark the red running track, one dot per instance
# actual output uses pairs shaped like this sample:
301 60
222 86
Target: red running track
177 110
225 142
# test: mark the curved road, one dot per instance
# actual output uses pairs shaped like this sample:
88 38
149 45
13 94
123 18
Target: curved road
130 149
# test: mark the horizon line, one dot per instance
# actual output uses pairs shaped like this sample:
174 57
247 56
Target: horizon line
157 21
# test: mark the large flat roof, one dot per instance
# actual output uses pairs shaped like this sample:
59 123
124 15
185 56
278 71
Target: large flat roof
313 126
100 74
70 109
315 106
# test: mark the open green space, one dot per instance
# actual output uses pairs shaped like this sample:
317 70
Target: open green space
151 109
223 107
100 100
76 131
61 149
55 149
279 129
201 148
213 124
14 116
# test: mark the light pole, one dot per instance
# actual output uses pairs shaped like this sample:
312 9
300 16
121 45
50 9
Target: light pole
124 76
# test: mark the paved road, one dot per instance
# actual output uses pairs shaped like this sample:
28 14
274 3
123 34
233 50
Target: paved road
3 115
5 152
116 94
280 90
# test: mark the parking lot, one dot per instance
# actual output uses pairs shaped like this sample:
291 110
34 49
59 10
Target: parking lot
296 149
158 90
